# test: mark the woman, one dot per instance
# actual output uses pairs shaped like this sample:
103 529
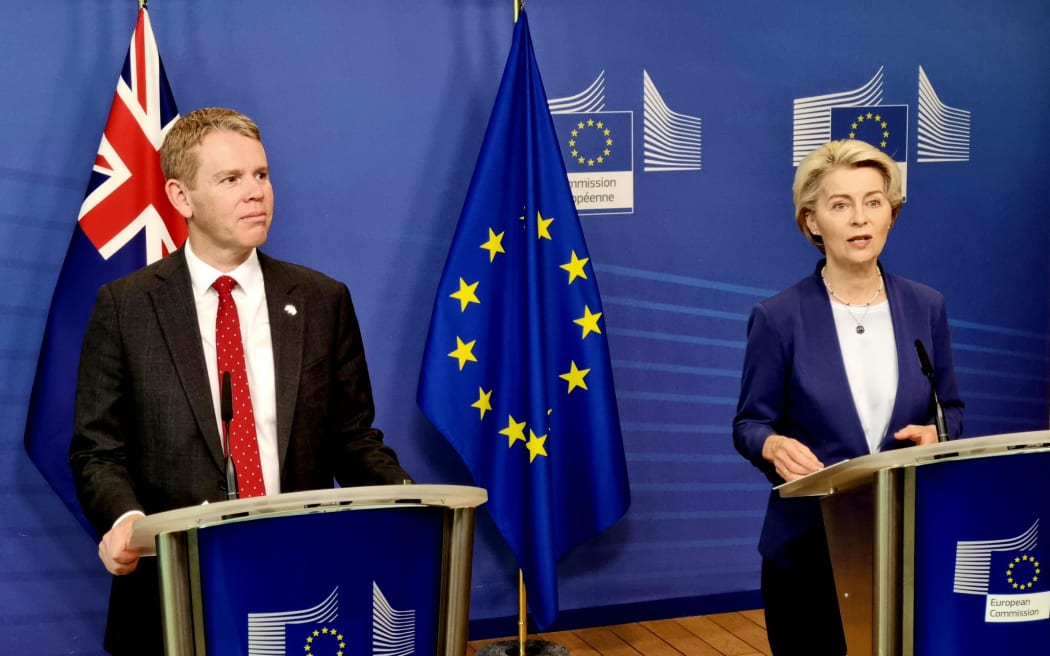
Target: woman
831 373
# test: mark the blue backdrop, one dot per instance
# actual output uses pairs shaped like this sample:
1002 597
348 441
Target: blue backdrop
373 113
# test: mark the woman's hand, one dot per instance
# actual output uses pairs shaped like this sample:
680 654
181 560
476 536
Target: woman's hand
792 458
919 434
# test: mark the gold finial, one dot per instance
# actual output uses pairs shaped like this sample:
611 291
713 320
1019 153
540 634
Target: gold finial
519 6
143 3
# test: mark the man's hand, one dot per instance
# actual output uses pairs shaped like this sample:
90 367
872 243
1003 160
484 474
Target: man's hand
115 550
792 458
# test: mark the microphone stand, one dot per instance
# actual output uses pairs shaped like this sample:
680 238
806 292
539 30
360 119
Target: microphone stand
938 409
226 411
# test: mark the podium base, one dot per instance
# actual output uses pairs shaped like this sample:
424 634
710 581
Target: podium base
532 648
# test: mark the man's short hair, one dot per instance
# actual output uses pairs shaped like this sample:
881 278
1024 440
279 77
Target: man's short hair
178 153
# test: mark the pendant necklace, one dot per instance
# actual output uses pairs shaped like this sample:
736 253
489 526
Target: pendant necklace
866 306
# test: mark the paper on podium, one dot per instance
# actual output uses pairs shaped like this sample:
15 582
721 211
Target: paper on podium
850 474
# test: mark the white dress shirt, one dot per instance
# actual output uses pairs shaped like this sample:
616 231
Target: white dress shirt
250 297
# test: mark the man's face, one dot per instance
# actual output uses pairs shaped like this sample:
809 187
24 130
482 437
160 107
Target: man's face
230 207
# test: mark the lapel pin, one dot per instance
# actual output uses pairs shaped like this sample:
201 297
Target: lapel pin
290 310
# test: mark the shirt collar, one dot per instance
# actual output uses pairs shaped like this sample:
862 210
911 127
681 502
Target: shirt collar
248 275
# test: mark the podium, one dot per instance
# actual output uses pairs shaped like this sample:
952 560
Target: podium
937 549
363 570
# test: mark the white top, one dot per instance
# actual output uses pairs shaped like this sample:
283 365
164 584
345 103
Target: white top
871 365
250 297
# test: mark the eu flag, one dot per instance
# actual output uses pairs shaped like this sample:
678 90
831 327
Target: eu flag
516 371
125 222
882 126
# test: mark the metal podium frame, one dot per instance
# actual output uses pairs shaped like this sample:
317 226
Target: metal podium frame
868 505
172 537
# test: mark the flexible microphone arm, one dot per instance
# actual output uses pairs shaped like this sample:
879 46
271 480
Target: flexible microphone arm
226 412
938 409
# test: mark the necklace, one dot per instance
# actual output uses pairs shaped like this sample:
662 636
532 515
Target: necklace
866 306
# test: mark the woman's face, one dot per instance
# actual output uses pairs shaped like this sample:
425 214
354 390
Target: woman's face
852 215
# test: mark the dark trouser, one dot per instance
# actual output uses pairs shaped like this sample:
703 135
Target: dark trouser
802 612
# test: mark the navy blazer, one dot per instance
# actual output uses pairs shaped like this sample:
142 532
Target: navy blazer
794 383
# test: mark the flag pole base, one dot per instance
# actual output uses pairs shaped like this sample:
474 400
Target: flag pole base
532 648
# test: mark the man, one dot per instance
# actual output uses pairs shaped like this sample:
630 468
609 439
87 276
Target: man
147 427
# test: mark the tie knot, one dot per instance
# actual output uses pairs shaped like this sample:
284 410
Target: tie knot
224 285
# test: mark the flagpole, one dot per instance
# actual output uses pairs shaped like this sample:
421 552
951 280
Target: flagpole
143 3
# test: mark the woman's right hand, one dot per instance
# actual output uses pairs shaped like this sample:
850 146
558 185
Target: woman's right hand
792 458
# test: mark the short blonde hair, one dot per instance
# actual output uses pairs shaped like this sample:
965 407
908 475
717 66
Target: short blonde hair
845 153
178 153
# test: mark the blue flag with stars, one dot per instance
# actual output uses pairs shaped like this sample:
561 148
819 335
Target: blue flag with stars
516 371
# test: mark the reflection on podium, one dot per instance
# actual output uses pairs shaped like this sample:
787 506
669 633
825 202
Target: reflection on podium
366 570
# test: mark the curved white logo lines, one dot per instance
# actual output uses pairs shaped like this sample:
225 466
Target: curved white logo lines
812 115
672 140
393 631
591 99
944 132
973 559
266 631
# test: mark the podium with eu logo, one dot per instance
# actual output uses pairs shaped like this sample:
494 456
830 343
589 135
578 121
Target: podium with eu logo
381 570
941 549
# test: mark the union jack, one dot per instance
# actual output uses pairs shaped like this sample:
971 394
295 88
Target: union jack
125 222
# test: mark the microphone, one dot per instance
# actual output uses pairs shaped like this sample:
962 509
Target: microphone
226 412
938 409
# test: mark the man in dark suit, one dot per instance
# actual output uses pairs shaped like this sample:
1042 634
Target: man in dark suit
147 427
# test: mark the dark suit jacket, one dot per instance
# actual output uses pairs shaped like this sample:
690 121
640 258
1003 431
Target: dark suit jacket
145 435
794 383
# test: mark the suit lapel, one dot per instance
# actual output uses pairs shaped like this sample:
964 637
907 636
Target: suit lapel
285 307
825 340
172 297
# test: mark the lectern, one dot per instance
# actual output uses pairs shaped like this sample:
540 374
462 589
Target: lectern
378 570
937 549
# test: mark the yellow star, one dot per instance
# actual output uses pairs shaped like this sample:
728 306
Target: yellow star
606 132
608 142
590 122
494 244
869 114
514 431
599 125
535 445
466 294
575 377
324 630
463 352
316 632
590 162
580 125
572 142
589 322
878 117
576 133
581 160
853 125
484 402
309 639
575 267
542 226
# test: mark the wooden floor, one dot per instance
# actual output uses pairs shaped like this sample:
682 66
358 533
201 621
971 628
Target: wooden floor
728 634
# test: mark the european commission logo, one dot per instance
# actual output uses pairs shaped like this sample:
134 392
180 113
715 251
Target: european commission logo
316 630
1008 573
598 145
860 113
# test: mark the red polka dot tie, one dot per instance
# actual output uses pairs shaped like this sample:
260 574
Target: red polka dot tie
230 350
